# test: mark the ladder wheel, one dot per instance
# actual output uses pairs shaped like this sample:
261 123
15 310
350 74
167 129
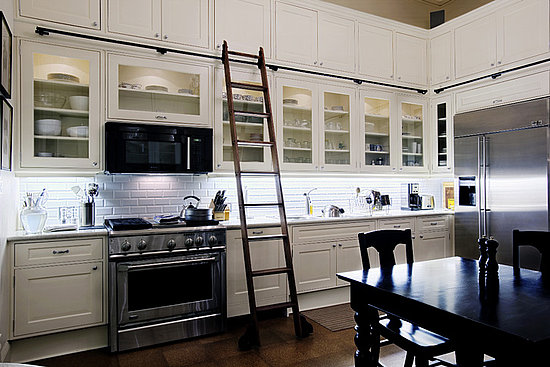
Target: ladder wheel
249 339
307 328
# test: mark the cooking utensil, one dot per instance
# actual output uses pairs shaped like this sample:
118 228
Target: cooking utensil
191 212
332 211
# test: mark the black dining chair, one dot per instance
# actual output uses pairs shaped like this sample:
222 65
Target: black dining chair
420 344
537 239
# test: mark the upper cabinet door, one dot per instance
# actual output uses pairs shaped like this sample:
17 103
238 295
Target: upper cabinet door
84 13
375 51
475 46
185 21
410 66
441 61
524 31
296 34
135 17
336 43
244 24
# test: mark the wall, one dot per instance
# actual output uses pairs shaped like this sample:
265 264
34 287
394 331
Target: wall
142 196
8 190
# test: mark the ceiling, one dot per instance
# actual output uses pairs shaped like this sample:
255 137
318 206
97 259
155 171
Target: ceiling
414 12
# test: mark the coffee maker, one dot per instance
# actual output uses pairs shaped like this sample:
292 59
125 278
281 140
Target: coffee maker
410 198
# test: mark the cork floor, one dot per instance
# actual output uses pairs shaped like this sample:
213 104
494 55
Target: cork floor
279 348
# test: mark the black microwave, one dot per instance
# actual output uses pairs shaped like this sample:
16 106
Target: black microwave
143 148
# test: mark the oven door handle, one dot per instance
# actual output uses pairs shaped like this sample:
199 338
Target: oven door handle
130 267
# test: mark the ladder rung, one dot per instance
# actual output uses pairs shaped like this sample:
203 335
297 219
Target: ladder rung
267 237
236 53
247 86
275 306
264 204
252 114
256 143
258 173
261 273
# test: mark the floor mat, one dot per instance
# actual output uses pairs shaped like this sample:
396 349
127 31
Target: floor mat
334 318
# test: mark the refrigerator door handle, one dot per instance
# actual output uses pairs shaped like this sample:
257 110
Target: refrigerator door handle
479 188
485 141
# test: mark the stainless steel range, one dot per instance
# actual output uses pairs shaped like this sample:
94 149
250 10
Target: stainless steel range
166 282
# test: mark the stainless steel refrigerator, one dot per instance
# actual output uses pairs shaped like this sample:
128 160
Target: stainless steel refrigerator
501 158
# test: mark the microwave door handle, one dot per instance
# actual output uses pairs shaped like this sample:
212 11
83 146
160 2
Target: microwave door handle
130 267
188 152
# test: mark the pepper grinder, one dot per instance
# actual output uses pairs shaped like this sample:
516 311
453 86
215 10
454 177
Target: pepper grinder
482 257
492 264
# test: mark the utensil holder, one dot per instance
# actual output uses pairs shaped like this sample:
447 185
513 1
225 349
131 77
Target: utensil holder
87 214
219 216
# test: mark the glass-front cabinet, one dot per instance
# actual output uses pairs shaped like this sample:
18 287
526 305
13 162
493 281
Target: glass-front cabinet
248 127
411 116
378 132
59 107
443 135
298 124
338 128
153 90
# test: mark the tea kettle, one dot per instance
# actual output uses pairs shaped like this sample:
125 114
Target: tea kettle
332 211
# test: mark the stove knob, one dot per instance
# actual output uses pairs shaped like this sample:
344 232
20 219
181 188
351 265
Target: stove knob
171 244
199 241
212 240
189 242
142 245
125 246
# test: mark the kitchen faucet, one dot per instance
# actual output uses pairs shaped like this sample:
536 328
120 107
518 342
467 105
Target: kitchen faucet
309 206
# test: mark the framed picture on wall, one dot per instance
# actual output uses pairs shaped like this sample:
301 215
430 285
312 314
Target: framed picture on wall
6 113
5 57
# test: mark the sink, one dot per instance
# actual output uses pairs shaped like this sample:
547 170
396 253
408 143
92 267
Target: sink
302 217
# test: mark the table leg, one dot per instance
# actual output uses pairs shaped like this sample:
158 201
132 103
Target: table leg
467 356
367 338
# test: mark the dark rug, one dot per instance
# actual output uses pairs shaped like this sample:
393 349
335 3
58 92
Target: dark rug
334 318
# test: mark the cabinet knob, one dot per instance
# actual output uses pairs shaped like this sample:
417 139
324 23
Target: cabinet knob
218 46
413 237
321 63
447 78
391 76
94 24
315 62
157 35
421 236
333 245
94 164
339 245
499 62
94 268
492 64
398 78
165 37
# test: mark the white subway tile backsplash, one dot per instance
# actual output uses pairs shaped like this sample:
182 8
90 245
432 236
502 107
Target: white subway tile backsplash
134 195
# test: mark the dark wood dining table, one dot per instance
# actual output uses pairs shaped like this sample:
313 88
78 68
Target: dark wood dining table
508 319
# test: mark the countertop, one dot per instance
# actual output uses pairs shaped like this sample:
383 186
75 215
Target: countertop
271 221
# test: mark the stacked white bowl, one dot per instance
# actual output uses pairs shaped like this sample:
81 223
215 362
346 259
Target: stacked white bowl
47 127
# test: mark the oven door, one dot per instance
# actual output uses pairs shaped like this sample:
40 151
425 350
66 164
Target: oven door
169 287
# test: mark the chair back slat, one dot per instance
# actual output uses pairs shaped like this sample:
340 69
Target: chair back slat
537 239
384 242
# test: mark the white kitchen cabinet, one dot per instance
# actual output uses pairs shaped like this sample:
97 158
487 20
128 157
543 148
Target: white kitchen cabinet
510 90
58 285
84 13
177 21
248 128
410 59
375 50
57 131
315 266
476 46
135 18
336 42
399 223
141 89
413 130
442 134
378 132
244 24
432 238
523 31
348 258
264 255
441 58
317 126
296 34
314 38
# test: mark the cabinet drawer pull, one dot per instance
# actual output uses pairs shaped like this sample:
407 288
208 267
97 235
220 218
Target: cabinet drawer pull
160 117
397 226
257 232
497 100
55 252
433 224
